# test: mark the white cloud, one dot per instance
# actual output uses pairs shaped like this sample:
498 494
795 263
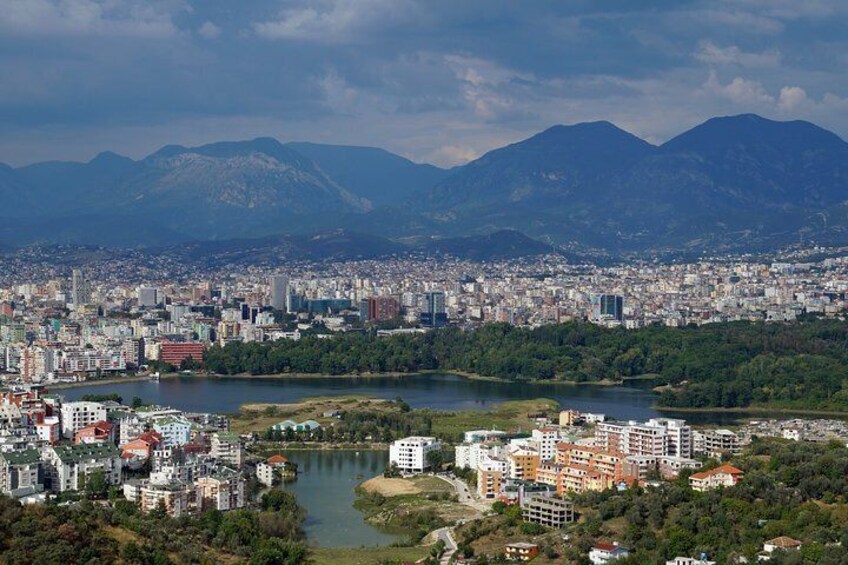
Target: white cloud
120 18
486 86
332 21
792 97
710 53
740 90
209 30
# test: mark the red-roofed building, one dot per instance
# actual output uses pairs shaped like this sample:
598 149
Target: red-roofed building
142 446
604 552
98 432
724 476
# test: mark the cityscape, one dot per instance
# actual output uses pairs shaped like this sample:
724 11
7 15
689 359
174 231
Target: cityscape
408 282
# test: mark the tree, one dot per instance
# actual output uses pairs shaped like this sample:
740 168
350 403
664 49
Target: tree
435 459
275 551
96 485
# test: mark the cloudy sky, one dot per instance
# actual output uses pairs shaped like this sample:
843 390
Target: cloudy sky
437 81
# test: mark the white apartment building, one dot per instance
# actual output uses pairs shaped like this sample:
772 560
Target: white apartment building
470 456
657 437
77 415
69 464
174 431
547 439
410 454
227 448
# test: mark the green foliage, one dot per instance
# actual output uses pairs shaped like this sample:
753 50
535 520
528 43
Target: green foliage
102 397
801 365
83 533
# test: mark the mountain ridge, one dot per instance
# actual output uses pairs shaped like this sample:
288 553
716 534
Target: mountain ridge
729 183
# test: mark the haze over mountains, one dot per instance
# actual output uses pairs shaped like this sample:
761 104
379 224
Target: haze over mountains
733 183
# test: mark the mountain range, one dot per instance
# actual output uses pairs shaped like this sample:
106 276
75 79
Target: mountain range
730 184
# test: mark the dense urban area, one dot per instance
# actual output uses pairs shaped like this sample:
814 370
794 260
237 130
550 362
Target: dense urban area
126 480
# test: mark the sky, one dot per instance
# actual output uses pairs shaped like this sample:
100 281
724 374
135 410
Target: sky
436 81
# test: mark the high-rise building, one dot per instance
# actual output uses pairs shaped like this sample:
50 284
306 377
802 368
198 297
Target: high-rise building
79 289
433 314
607 307
379 308
148 296
279 291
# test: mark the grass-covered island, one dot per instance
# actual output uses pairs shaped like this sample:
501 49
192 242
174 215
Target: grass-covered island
356 420
798 365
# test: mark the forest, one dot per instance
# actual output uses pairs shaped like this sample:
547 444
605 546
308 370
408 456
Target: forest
801 365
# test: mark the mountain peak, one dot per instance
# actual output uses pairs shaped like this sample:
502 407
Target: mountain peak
751 129
583 135
109 157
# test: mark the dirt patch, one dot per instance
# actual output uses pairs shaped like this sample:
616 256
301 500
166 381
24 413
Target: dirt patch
390 487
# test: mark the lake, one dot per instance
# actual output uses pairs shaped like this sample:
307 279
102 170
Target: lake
437 391
325 488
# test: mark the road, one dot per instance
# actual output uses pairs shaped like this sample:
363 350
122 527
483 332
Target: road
446 535
465 495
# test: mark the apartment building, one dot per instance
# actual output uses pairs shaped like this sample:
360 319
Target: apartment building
605 461
21 473
78 415
175 431
656 437
490 483
224 490
469 456
547 438
716 443
410 454
547 511
227 448
174 497
69 465
522 462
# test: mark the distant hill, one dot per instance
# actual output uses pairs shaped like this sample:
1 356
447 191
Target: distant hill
731 183
504 244
216 191
738 183
347 245
382 177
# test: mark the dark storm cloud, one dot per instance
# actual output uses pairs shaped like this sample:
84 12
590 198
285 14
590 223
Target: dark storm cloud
434 80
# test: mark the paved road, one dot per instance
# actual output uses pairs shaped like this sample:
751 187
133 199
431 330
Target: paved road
466 496
446 535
